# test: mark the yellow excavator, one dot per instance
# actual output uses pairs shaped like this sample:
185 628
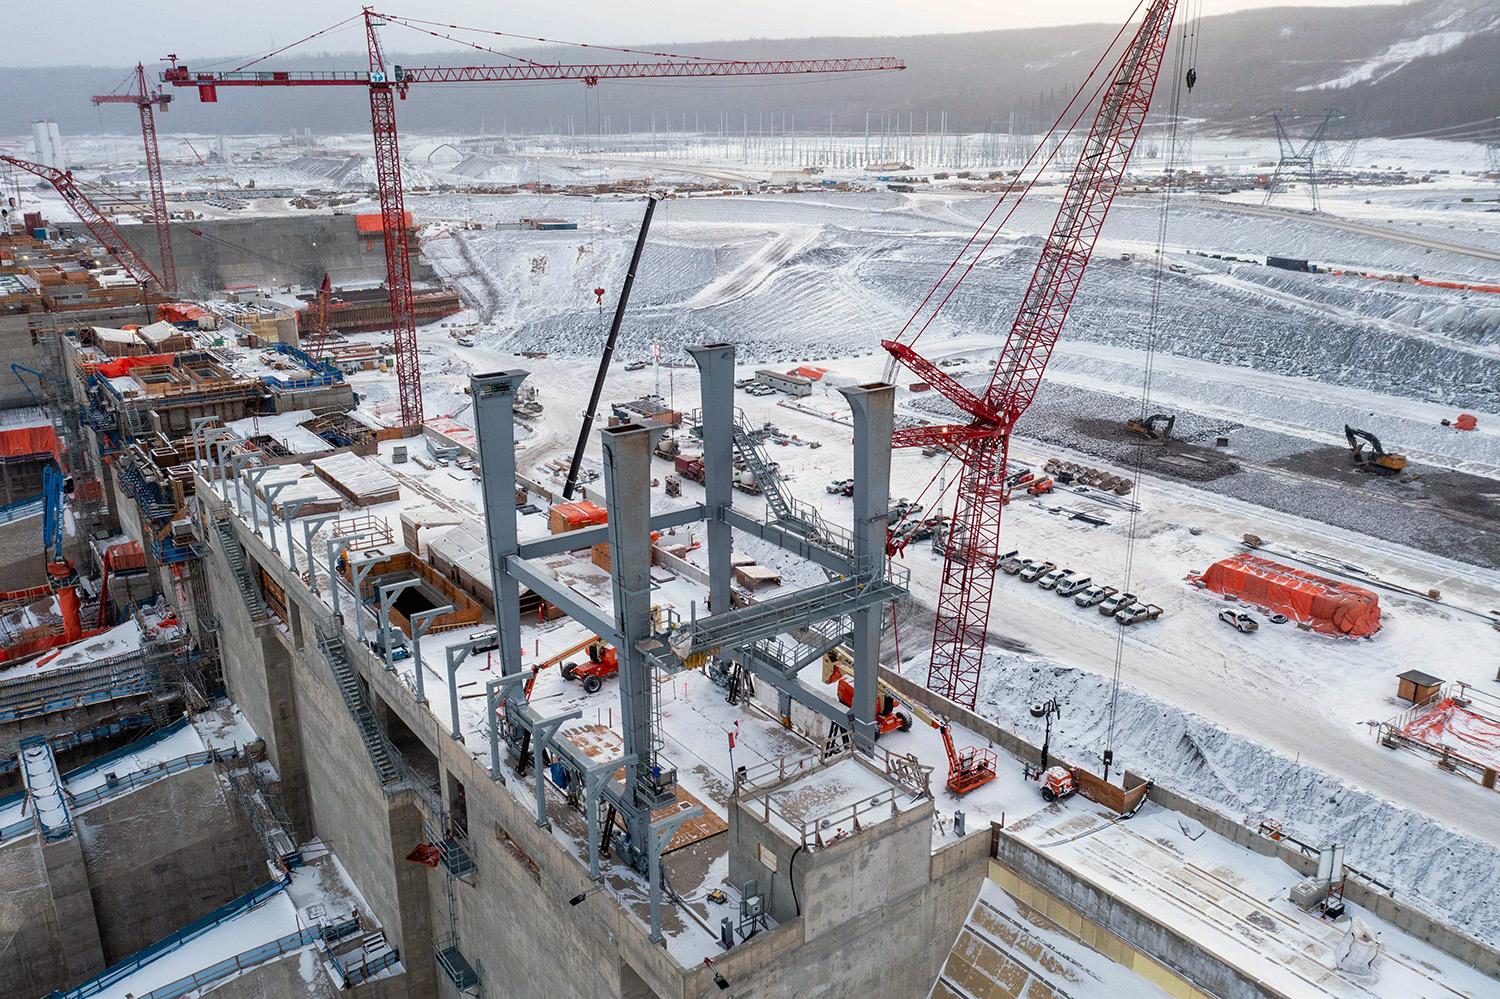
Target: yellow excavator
1370 456
1147 426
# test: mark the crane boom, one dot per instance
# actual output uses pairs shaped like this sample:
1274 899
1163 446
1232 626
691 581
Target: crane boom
385 86
93 219
147 101
982 445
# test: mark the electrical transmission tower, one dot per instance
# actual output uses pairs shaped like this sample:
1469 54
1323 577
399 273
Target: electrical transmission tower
1299 158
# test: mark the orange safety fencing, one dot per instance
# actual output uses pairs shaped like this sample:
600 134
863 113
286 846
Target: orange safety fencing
1449 726
22 442
1325 605
123 365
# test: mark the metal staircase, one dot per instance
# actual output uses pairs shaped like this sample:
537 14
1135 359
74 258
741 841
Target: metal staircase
383 755
785 509
234 554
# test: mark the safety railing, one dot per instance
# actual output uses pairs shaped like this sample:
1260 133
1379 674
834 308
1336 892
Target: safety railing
119 785
175 941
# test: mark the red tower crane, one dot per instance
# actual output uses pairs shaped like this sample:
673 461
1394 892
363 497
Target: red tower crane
386 84
148 101
981 444
93 219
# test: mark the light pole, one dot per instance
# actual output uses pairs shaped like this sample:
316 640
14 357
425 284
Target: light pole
336 548
311 526
289 511
420 622
387 593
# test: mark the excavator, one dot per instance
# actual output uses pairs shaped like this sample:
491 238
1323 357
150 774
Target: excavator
1147 427
968 768
1370 456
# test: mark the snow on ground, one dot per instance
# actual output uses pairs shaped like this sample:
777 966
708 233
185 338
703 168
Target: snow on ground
1234 903
151 755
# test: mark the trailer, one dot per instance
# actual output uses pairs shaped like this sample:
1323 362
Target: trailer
793 385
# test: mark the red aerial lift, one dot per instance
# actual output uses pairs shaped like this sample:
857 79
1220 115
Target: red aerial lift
981 444
968 768
603 662
387 83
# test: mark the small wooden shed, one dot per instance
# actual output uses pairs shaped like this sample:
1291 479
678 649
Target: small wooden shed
1416 686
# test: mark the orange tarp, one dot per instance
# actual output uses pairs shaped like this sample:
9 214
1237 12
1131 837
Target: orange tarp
808 371
1326 605
22 441
571 516
122 365
373 222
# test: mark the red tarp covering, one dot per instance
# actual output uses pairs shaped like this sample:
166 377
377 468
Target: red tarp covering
181 312
1451 726
1327 605
810 372
373 222
21 442
123 365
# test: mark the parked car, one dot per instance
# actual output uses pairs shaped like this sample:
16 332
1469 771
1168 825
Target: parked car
1051 579
1094 594
837 487
1114 602
1013 565
1070 585
1036 570
1136 613
1239 620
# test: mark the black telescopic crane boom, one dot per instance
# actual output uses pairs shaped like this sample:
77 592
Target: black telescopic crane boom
609 351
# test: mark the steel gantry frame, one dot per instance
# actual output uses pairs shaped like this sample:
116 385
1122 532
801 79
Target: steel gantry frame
387 84
982 445
147 101
645 646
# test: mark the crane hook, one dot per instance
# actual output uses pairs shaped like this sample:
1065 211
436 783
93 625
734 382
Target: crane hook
1192 77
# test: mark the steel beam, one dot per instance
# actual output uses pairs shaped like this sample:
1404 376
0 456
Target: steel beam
494 396
873 406
587 537
789 541
627 496
716 390
543 731
573 604
420 622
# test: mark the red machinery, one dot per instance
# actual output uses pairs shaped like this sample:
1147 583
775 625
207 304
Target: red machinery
603 663
94 220
385 85
963 604
147 101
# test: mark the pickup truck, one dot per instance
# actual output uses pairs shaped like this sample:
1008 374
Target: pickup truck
1094 594
1050 581
1239 620
1070 585
1114 602
1036 570
1136 613
1013 565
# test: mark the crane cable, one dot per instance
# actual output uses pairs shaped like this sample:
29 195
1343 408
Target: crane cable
1150 330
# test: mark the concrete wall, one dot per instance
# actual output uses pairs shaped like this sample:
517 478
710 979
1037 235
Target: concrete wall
294 249
1137 929
31 957
165 854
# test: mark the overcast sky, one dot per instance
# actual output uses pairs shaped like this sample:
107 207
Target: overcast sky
120 32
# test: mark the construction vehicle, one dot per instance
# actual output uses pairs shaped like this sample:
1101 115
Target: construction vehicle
1156 427
1136 613
689 468
968 768
603 663
1370 456
1058 783
549 663
667 447
1041 486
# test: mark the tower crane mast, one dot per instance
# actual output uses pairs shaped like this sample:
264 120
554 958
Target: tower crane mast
147 101
388 83
981 445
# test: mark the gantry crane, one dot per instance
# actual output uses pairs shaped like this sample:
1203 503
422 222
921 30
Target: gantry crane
115 244
981 445
147 101
386 84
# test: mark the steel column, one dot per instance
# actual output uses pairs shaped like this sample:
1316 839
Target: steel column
420 622
716 390
873 407
495 429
